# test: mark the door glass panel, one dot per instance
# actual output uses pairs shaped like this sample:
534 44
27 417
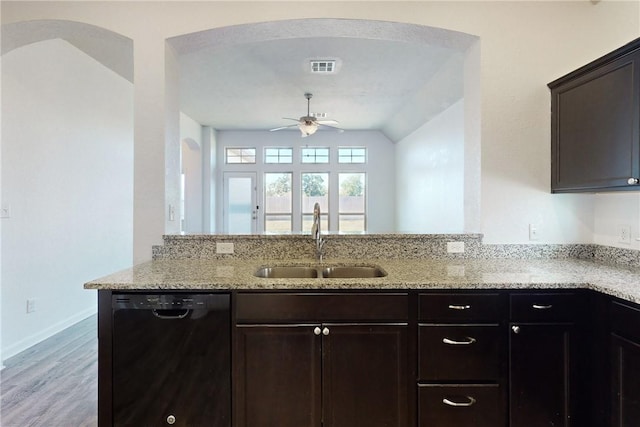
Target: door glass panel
239 203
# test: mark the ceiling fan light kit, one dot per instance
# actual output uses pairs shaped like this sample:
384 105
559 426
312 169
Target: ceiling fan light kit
309 124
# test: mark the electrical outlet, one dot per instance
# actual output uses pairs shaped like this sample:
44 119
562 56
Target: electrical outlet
455 247
624 234
31 305
224 248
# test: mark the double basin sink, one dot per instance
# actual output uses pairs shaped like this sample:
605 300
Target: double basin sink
326 272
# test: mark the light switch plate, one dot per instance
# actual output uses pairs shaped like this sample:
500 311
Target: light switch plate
5 211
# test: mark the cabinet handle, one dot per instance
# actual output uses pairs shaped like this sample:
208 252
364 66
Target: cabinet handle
459 307
171 420
453 342
317 331
325 331
470 401
542 307
515 329
633 181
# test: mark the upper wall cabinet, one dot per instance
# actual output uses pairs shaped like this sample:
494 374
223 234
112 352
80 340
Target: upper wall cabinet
595 125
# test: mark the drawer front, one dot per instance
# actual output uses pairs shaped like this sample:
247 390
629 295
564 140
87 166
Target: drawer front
460 353
625 321
546 307
320 307
461 307
460 405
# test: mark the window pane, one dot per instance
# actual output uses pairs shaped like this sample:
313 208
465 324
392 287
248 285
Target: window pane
315 155
352 193
315 189
352 155
240 155
277 193
277 224
278 155
351 224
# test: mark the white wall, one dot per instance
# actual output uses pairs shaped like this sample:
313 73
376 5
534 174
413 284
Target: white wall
615 210
523 46
192 152
430 175
380 154
67 173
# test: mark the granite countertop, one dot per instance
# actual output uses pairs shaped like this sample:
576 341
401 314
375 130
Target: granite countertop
238 274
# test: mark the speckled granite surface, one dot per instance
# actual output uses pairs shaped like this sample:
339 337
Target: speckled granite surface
233 274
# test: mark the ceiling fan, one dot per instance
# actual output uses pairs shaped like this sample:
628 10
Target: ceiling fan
309 124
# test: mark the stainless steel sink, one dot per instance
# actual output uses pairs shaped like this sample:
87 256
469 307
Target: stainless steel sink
352 272
327 272
287 272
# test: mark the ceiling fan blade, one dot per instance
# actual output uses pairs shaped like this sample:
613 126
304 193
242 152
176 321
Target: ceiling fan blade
282 127
332 127
291 118
327 122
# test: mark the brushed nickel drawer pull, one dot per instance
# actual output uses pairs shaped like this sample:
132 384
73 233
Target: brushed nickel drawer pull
453 342
469 402
459 307
542 307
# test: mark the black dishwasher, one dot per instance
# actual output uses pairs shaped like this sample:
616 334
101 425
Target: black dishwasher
171 360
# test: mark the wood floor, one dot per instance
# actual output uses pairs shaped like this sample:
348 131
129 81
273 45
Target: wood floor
54 383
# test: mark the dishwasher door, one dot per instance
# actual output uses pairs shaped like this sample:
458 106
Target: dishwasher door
171 360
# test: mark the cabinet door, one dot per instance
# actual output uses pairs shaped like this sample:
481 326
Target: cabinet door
365 376
540 375
277 383
595 121
625 382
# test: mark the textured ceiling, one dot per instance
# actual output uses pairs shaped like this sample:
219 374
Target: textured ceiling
392 77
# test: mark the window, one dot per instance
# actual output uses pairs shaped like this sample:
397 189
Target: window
352 155
351 205
315 155
240 155
278 205
278 155
315 189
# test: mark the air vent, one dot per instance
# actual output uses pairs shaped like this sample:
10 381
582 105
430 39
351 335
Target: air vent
325 66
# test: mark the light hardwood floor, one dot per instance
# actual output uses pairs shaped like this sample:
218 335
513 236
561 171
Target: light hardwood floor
54 383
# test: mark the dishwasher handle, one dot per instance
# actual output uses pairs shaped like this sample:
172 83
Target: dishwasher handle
171 314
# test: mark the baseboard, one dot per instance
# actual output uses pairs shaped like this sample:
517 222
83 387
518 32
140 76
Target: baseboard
34 339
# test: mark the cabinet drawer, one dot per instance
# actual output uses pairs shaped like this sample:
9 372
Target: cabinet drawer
546 307
460 405
461 307
625 321
319 307
460 353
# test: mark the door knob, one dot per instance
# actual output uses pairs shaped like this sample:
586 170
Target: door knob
325 331
317 331
515 329
633 181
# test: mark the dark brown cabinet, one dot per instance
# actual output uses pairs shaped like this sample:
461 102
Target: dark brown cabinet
625 365
595 124
543 347
461 354
347 373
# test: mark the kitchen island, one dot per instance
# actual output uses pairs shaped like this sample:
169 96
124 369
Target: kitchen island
433 342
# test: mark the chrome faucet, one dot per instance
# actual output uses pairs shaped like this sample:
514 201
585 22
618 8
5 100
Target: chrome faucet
315 232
